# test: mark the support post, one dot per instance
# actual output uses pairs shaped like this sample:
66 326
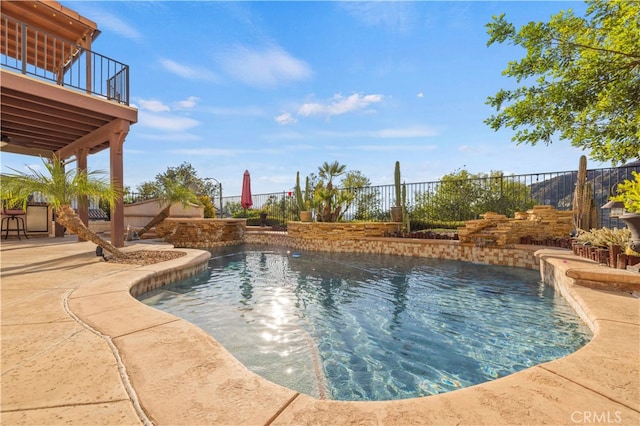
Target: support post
116 142
83 201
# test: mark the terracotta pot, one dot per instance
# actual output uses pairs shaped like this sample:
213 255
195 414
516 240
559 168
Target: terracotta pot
305 216
396 214
614 251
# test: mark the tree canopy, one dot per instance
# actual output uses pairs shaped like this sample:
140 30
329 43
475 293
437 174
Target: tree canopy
179 179
461 196
579 80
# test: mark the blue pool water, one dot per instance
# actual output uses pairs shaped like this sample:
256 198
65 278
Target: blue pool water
372 327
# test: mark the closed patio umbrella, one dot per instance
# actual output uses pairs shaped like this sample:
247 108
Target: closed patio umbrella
245 200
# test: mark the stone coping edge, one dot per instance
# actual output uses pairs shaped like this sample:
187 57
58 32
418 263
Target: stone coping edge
181 375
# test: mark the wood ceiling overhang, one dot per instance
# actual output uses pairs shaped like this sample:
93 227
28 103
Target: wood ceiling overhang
43 119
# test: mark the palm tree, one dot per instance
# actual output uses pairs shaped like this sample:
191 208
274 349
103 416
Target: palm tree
59 188
169 193
327 194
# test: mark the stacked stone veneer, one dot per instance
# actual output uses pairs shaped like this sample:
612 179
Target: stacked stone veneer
519 255
339 231
358 237
541 222
202 233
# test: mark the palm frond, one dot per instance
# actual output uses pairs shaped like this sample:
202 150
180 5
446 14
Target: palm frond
56 185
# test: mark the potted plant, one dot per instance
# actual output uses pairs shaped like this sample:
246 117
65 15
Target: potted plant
304 200
396 211
629 193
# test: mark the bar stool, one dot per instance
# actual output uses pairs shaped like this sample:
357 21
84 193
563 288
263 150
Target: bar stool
11 215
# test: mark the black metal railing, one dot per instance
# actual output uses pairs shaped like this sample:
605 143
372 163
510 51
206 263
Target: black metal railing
36 53
448 203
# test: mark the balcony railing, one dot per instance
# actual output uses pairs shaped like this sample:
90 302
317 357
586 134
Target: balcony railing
37 53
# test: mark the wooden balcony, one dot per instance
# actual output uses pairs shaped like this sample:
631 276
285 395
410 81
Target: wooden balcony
59 98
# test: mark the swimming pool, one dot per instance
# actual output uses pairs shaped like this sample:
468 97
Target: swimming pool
373 327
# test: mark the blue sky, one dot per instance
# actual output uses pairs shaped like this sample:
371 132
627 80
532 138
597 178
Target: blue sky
280 87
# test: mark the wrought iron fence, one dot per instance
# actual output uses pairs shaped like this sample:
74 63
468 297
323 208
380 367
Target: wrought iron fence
37 53
447 203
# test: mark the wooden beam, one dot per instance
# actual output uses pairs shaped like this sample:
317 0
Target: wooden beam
17 149
94 138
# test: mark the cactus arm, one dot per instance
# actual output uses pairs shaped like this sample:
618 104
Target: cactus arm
396 178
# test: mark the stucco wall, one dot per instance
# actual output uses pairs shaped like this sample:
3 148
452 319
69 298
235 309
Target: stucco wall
138 215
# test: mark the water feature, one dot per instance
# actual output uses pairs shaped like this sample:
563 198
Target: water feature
372 327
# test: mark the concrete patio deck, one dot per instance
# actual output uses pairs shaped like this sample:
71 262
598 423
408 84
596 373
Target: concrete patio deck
78 349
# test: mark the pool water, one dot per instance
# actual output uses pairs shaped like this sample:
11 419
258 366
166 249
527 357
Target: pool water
373 327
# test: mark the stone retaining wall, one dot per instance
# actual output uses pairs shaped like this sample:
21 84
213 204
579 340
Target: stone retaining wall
518 255
202 233
339 231
541 222
360 237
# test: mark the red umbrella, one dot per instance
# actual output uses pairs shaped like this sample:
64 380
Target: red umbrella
246 201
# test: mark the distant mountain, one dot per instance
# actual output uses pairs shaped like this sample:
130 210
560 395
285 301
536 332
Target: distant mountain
558 191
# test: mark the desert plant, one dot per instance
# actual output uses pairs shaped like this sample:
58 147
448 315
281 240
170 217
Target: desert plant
303 199
406 223
329 200
396 181
605 237
299 198
308 194
585 213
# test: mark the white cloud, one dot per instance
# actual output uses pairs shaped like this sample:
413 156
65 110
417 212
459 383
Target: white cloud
188 103
249 111
408 132
339 105
394 15
169 137
115 24
153 105
392 133
188 72
210 152
395 148
285 118
166 122
474 149
289 135
420 95
265 68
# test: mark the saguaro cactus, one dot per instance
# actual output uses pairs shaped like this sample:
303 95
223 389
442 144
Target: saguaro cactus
396 211
396 180
585 213
406 223
299 198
